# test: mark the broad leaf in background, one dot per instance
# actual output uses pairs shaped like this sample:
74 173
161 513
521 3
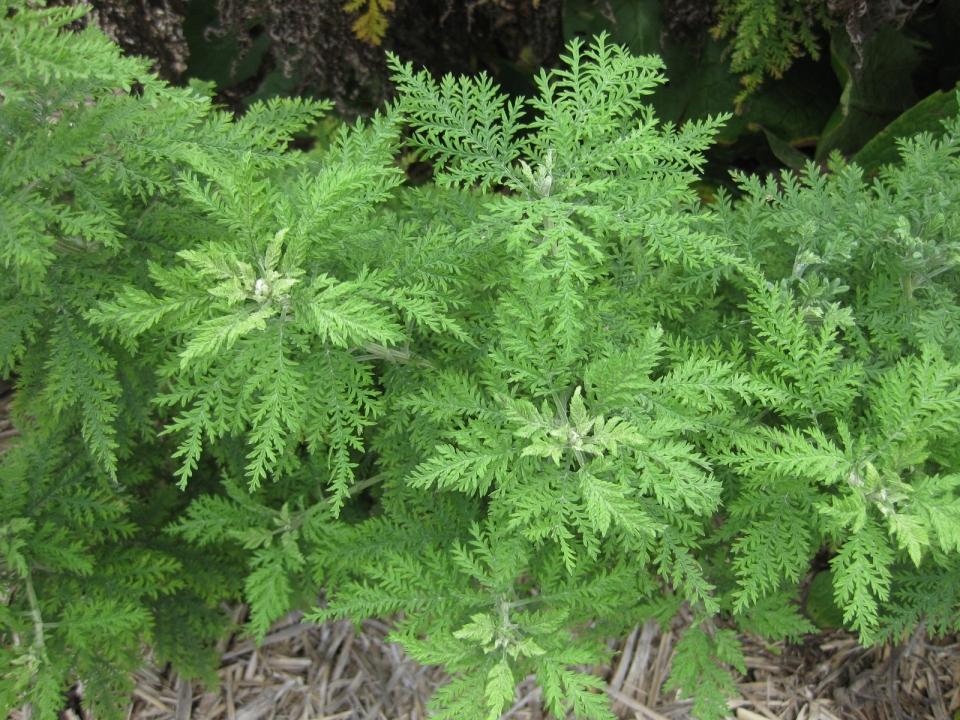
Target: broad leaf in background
784 151
939 27
875 92
926 116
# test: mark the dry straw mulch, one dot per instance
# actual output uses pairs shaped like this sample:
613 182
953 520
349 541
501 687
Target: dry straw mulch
331 672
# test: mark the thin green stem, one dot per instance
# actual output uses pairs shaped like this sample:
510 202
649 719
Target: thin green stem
364 484
34 612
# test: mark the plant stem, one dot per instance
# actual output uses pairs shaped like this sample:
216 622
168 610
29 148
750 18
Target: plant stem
34 611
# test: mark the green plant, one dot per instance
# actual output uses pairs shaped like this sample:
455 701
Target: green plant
96 161
768 36
371 25
767 127
528 406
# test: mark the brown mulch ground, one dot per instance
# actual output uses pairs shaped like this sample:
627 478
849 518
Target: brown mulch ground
330 672
306 672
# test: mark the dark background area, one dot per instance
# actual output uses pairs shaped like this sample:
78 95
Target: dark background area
877 61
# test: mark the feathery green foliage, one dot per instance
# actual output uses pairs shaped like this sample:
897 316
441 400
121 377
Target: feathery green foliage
98 160
768 36
528 406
